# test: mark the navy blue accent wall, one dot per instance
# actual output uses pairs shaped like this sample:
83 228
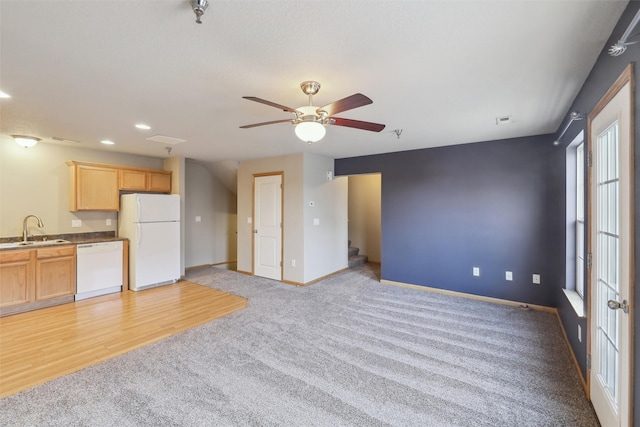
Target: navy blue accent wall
494 205
500 206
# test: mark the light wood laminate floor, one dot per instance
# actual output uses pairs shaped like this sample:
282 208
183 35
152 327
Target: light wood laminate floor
41 345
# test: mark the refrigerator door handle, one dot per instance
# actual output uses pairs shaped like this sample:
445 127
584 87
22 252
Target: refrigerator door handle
138 209
138 235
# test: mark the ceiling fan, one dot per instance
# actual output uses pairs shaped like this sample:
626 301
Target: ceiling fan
310 121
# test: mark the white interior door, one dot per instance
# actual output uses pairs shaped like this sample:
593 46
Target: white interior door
267 241
611 213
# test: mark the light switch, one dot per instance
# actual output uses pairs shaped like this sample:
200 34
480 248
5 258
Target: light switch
476 271
249 220
508 275
76 223
316 221
108 221
198 218
536 279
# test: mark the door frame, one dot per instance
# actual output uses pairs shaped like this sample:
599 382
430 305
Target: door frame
253 220
627 76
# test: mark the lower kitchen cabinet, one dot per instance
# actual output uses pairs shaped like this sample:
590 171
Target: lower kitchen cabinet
36 278
55 272
17 277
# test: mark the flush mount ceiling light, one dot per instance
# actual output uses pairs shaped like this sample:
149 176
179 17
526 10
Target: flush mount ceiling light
107 142
199 6
4 95
310 131
143 126
311 121
25 141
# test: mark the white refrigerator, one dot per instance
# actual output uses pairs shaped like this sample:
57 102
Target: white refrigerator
151 222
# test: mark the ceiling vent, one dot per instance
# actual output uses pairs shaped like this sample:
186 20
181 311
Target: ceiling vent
504 120
65 140
166 139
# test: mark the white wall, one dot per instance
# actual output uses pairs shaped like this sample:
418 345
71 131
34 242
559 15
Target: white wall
319 250
293 216
213 239
36 181
325 244
365 214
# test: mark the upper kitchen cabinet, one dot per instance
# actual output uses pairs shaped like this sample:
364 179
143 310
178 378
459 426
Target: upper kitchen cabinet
96 187
159 182
93 187
134 180
151 180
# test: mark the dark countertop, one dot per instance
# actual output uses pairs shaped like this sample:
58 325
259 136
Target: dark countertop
73 238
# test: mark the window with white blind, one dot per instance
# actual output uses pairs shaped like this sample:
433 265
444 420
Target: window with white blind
575 233
580 247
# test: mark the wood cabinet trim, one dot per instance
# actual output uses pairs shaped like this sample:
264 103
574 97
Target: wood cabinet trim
56 251
118 167
15 255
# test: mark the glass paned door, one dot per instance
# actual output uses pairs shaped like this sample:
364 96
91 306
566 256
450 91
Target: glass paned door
608 259
610 243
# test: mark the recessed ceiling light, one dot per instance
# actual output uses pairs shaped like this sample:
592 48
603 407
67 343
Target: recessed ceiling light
4 95
143 126
107 142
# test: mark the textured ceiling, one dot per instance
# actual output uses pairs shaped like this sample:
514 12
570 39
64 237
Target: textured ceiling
441 71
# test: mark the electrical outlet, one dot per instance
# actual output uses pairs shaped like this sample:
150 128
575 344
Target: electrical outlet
198 218
76 223
316 221
108 222
579 334
293 263
476 271
508 275
536 279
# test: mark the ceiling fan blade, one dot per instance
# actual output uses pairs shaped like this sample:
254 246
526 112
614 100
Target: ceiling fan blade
273 104
374 127
264 123
344 104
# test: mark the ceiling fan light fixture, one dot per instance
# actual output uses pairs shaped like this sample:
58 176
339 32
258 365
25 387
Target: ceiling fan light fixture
25 141
310 131
310 121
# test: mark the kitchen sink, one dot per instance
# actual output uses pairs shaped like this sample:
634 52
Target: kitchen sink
32 243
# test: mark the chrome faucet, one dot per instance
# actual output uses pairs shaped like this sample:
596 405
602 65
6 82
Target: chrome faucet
25 235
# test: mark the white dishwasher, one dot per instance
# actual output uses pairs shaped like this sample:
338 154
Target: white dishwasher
98 269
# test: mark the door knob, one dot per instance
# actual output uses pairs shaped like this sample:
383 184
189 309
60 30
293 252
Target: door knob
615 305
255 231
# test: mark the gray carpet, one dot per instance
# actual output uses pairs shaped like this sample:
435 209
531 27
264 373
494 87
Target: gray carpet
344 351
